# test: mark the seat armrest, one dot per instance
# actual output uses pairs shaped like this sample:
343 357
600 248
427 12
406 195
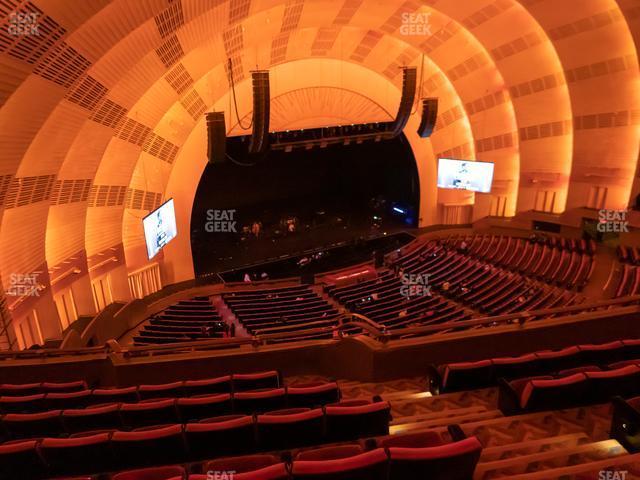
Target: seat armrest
456 432
508 398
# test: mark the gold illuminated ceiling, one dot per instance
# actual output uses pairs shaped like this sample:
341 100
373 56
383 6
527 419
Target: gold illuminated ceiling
97 107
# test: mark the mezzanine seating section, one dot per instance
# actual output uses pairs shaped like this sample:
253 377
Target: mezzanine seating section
185 321
290 309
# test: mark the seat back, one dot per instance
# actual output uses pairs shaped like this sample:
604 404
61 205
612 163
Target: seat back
152 473
453 461
466 375
64 387
623 382
514 367
204 406
258 401
144 447
208 386
229 435
32 425
313 395
371 465
78 455
149 413
21 460
255 381
348 422
63 400
23 403
106 417
553 394
115 395
290 428
165 390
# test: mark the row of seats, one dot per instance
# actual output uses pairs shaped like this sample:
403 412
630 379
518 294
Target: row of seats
458 376
483 286
628 254
629 282
571 388
41 387
186 320
291 309
55 423
23 399
559 260
407 457
104 451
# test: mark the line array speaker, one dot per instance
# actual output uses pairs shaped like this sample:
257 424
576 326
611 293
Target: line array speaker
216 137
261 106
409 76
429 116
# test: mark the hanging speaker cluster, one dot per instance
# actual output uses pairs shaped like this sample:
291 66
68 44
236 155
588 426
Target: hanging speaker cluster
261 108
216 137
429 117
409 80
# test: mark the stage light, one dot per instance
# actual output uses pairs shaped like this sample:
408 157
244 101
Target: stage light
399 210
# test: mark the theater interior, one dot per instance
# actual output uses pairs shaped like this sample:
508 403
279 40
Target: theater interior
319 239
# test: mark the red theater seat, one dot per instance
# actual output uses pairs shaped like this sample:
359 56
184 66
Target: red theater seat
514 367
153 473
21 457
313 395
62 400
602 353
348 421
204 406
32 425
290 428
452 461
244 464
411 440
623 382
23 403
274 472
228 435
165 390
64 387
20 388
365 466
466 375
553 394
106 417
149 446
556 360
260 400
77 455
255 381
149 412
207 386
115 395
330 453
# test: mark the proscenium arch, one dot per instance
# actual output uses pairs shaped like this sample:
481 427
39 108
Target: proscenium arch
23 117
177 263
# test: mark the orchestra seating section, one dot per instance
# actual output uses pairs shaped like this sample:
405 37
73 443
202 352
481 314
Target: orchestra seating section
629 282
187 320
278 310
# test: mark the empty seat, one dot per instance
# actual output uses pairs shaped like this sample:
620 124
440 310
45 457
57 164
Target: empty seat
411 440
77 455
260 400
207 386
62 400
148 413
22 403
64 387
514 367
115 395
204 406
21 460
357 419
148 446
165 390
153 473
106 417
32 425
556 360
20 388
290 428
247 463
365 466
465 375
623 382
602 353
220 436
255 381
312 395
452 461
553 394
330 453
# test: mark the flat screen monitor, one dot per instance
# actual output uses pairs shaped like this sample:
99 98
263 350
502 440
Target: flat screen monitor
465 175
159 228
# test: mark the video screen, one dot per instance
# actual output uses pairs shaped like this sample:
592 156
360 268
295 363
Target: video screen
159 228
465 175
